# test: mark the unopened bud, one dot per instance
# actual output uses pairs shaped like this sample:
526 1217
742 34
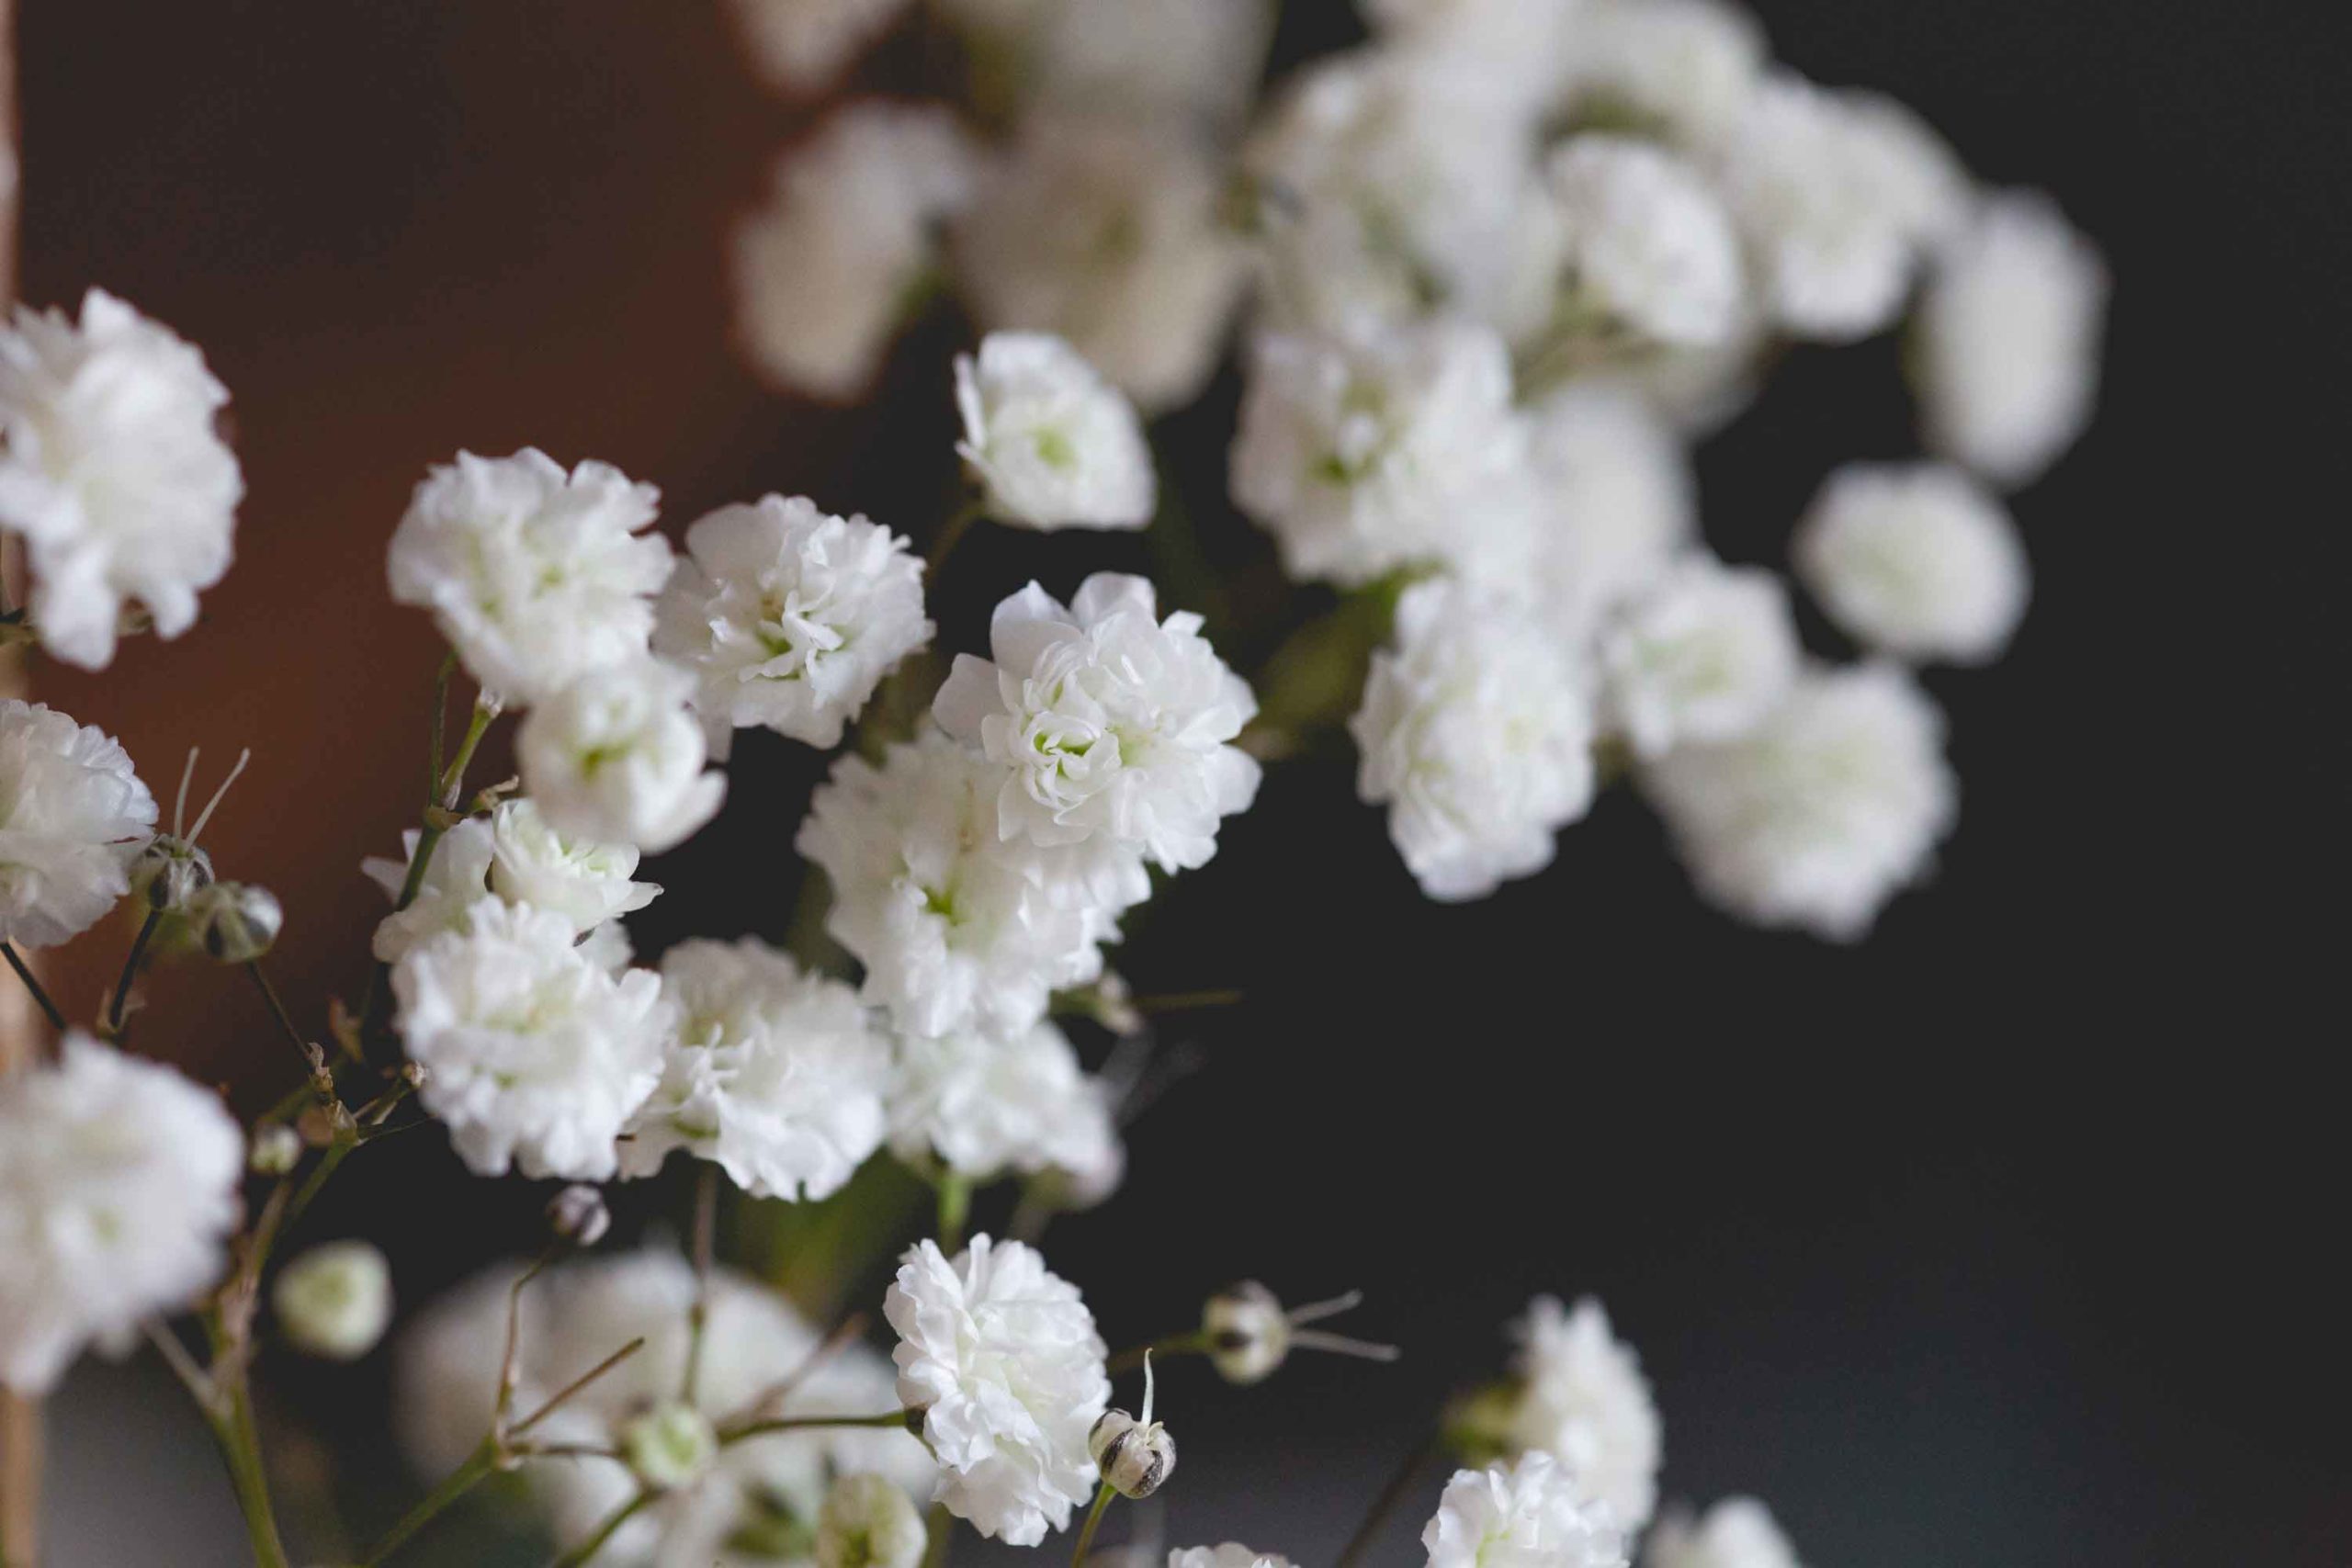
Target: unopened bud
236 922
579 1215
1249 1333
1135 1457
669 1446
335 1301
868 1521
277 1149
169 872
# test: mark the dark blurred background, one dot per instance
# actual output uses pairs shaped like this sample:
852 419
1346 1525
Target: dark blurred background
2006 1238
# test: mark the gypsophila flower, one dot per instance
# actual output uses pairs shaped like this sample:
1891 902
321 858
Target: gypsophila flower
617 757
113 470
803 45
1476 732
1582 1399
1739 1532
774 1075
1917 560
1053 444
1527 1515
1112 723
1823 812
2006 346
1002 1358
1620 504
987 1107
533 1055
537 577
119 1189
868 1521
334 1301
586 883
789 617
1649 250
1231 1554
1703 654
455 880
1683 68
72 818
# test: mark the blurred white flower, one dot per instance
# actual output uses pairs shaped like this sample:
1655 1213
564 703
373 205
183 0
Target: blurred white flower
1002 1356
119 1189
987 1106
1685 68
1114 723
73 816
1231 1554
1527 1515
1649 250
830 268
1704 653
788 617
1917 560
1583 1400
1620 504
2006 349
113 472
456 879
1822 813
334 1301
619 758
586 882
803 45
868 1521
1739 1532
1522 48
533 1055
775 1076
1053 444
1168 61
537 577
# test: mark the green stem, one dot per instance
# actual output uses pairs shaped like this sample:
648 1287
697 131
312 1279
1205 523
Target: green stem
955 1210
706 1247
1399 1485
1195 1343
40 997
951 534
479 1467
277 1012
803 1423
939 1526
1102 1496
130 970
241 1447
587 1550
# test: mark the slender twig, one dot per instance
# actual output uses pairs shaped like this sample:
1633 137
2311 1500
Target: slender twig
193 1378
277 1013
130 969
1187 1001
775 1424
1103 1495
40 995
706 1246
1192 1343
587 1550
577 1385
845 1335
1399 1485
955 1209
478 1466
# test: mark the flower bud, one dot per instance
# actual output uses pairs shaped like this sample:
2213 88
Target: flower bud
169 872
579 1215
236 922
1134 1456
1248 1332
670 1445
275 1149
335 1301
868 1522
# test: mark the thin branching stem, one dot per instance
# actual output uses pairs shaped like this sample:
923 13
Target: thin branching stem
39 994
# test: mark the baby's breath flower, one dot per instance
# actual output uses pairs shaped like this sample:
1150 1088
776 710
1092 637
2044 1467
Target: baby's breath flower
73 816
1581 1399
335 1301
1918 561
1739 1532
1527 1515
1052 442
1703 654
617 759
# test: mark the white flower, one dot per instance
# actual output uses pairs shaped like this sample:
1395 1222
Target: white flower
1649 249
1703 654
1115 724
1621 504
1737 1532
1476 734
119 1188
112 469
1582 1399
455 880
1687 67
335 1301
825 273
1108 233
73 818
1521 47
1822 813
789 617
2007 346
1527 1515
1053 444
867 1521
586 882
1160 61
774 1075
986 1107
956 929
1916 561
1002 1356
1367 452
1231 1554
803 45
533 1055
537 577
619 758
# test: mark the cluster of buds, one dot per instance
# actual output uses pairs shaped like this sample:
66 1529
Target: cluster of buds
235 922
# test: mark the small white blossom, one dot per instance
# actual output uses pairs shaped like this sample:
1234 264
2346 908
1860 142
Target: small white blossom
1053 444
803 45
537 577
1582 1399
1649 250
774 1075
533 1055
828 270
1916 561
2006 340
1684 67
456 879
1002 1356
1476 734
868 1521
1527 1515
788 617
987 1107
1522 48
72 818
1823 812
1113 723
1739 1532
619 758
586 882
1703 654
119 1188
112 469
335 1301
1173 63
1620 504
1231 1554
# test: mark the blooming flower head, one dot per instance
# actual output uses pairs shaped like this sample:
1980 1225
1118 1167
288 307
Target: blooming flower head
1703 654
1582 1399
1053 444
2006 340
986 1107
1620 504
112 469
1821 814
788 617
119 1183
617 757
956 927
586 882
1527 1515
1002 1356
1739 1532
537 577
73 818
1914 560
455 880
1649 250
774 1075
1476 732
533 1055
1112 723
